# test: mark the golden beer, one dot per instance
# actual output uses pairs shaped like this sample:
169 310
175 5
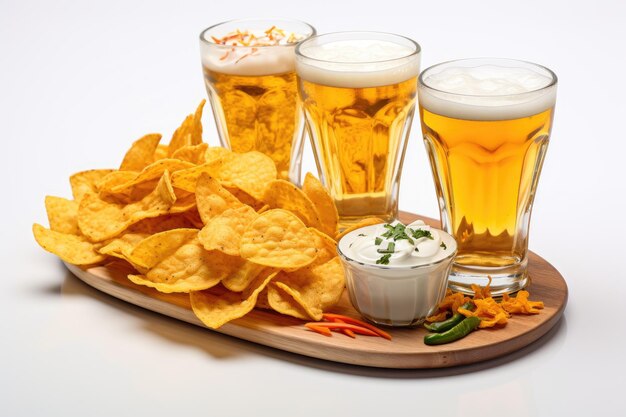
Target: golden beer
359 93
486 150
249 72
359 140
259 113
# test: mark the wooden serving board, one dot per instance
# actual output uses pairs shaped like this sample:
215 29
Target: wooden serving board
406 350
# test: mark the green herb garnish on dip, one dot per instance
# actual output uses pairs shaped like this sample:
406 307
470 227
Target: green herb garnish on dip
396 244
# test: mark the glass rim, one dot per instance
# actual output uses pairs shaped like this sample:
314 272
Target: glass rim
350 260
415 52
205 41
553 82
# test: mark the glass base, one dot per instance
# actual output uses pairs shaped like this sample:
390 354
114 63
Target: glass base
504 280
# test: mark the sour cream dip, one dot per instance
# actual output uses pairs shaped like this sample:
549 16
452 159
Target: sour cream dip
396 274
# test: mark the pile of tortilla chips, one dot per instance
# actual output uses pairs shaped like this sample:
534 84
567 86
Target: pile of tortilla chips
203 220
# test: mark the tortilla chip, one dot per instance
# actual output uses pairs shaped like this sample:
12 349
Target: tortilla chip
62 215
215 309
74 249
141 153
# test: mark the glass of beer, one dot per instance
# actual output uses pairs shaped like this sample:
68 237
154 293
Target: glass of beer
358 91
486 125
250 77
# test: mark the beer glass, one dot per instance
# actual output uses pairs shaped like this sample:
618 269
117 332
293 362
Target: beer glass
486 126
358 91
250 77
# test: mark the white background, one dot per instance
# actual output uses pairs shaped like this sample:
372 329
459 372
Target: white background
80 80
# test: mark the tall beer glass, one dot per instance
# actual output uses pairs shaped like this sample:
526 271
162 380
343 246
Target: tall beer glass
486 125
250 77
359 94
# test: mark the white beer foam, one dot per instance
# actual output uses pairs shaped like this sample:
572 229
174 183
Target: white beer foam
487 92
265 60
357 63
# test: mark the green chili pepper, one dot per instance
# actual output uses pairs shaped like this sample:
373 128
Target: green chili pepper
459 331
442 326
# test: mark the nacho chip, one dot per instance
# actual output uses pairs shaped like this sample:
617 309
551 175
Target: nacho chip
152 250
284 195
160 152
177 262
368 221
114 179
100 220
122 246
189 133
86 182
324 205
151 173
224 231
187 179
74 249
215 152
162 223
212 199
192 153
326 246
241 277
189 268
314 289
216 308
284 303
245 198
62 215
279 239
141 153
250 172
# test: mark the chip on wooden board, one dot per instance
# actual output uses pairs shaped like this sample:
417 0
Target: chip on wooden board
313 289
216 308
285 195
185 268
100 220
152 172
223 232
326 209
215 152
279 239
192 153
86 182
189 132
187 179
141 153
153 249
122 247
240 278
76 250
62 215
212 199
326 246
250 172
